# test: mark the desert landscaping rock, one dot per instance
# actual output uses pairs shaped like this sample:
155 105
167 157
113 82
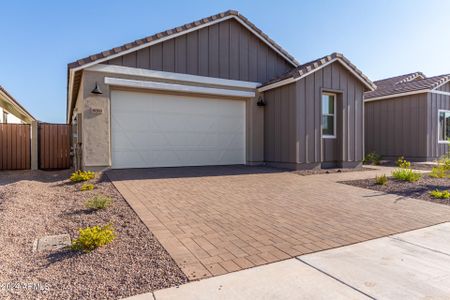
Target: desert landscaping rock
420 189
36 204
52 242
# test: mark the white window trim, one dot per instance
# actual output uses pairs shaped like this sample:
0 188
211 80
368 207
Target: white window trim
439 127
327 136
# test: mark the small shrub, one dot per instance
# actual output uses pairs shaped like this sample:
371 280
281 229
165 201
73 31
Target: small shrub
381 180
372 158
87 187
403 163
406 175
440 194
91 238
79 175
98 202
438 172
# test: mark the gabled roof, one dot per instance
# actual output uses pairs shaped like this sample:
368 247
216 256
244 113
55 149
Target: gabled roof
75 68
313 66
142 43
408 83
16 107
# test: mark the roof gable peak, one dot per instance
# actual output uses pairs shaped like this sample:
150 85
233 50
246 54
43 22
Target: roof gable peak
180 30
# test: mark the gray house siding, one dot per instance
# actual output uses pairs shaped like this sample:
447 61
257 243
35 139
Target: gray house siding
296 109
223 50
435 103
397 127
406 126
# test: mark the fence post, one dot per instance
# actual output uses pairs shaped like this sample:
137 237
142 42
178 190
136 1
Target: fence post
34 145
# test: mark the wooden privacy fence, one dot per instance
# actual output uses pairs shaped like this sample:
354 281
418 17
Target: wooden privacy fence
54 146
15 146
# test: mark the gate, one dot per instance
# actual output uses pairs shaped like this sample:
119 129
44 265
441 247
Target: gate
15 152
54 146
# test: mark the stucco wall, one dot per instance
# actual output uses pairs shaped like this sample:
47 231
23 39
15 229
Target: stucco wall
12 119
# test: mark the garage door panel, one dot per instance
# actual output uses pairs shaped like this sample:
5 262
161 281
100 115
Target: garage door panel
154 130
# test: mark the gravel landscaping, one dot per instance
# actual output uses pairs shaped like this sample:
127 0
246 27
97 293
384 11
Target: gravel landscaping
34 204
331 171
420 189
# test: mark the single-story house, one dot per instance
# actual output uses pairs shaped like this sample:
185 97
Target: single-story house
409 115
11 112
216 91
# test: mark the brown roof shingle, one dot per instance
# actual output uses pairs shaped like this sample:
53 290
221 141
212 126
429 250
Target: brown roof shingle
157 36
406 83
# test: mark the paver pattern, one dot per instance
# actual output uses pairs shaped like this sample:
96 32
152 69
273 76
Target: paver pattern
215 220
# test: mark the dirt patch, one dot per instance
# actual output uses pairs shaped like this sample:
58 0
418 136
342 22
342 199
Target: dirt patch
420 189
331 171
35 204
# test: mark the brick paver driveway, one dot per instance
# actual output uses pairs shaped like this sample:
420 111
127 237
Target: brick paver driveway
214 220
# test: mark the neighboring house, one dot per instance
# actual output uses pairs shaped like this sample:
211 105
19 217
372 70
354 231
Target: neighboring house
409 115
11 112
213 92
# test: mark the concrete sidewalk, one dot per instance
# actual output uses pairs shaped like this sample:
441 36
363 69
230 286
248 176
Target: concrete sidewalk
412 265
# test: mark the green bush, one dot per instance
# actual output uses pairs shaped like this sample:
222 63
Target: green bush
403 163
87 187
406 175
372 158
438 172
98 202
440 194
79 175
381 180
91 238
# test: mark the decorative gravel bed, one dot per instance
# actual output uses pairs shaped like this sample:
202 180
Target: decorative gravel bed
331 171
35 204
420 189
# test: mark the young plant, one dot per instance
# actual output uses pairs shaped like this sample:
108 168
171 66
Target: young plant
381 180
372 158
406 175
90 238
440 194
79 175
87 187
98 202
438 172
403 163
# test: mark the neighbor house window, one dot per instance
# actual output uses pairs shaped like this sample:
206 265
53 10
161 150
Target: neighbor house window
444 126
5 117
328 115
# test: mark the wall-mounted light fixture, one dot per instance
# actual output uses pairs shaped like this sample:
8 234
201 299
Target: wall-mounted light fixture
261 101
96 90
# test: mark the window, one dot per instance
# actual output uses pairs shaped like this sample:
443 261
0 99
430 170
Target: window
444 126
328 115
5 117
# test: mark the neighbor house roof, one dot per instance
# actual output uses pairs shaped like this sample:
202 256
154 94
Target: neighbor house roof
313 66
408 83
74 69
13 106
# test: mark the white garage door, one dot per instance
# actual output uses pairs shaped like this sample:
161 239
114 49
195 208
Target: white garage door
156 130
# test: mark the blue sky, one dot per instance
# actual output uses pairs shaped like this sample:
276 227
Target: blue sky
383 38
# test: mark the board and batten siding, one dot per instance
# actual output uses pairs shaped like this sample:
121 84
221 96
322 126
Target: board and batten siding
293 118
435 103
223 50
397 127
